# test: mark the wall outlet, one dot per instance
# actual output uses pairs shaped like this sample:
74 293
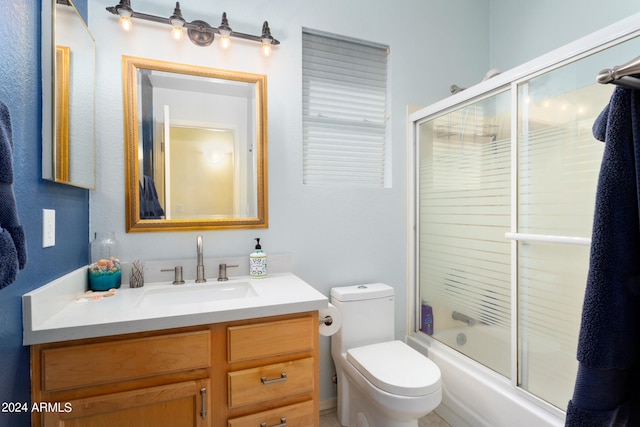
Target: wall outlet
48 228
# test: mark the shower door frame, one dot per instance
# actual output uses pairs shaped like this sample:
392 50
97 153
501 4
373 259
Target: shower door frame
508 81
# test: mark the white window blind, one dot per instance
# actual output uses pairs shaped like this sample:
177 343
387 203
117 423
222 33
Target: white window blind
344 111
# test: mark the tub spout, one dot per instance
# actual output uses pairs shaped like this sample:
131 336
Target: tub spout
456 315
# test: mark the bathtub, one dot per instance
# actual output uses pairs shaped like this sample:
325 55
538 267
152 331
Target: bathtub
476 396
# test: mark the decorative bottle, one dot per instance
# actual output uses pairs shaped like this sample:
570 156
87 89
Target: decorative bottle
258 262
104 270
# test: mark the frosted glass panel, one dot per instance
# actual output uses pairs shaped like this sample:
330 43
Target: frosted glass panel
558 165
550 292
464 213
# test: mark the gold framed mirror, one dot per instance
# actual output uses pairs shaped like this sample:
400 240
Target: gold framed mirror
195 147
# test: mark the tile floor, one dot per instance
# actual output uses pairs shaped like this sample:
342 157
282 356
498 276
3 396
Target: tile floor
328 419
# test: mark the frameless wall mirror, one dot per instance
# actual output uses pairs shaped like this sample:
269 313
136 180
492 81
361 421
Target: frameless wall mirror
195 147
68 96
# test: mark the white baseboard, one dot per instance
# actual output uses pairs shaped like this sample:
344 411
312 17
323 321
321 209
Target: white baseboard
328 404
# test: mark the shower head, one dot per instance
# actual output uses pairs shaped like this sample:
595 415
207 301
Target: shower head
491 73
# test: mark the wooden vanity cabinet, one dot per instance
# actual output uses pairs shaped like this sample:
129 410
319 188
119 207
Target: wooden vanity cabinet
234 374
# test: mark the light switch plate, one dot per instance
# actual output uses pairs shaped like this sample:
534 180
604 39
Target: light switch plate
48 228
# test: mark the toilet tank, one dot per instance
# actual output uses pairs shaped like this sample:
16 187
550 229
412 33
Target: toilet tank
367 315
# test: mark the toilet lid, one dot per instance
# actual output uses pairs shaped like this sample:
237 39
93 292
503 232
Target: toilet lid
396 368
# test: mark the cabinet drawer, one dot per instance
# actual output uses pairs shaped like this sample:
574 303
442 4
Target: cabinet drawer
269 382
270 339
93 364
298 415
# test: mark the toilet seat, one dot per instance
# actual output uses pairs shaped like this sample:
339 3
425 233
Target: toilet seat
396 368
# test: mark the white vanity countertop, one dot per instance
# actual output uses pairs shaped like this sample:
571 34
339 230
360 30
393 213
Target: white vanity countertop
56 312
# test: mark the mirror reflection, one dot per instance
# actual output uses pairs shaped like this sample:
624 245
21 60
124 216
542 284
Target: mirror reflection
195 145
68 62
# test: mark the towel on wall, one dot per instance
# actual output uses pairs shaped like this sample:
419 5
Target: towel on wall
13 249
606 392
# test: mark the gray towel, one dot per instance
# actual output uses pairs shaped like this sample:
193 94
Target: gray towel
13 249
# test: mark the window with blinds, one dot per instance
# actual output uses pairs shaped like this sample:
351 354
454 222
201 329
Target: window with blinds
344 111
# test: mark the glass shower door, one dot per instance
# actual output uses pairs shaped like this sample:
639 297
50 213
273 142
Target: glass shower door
558 164
506 184
464 212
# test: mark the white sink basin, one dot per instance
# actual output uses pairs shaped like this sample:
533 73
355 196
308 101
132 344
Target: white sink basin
197 293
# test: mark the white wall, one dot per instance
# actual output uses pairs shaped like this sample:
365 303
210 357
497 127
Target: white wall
336 236
523 30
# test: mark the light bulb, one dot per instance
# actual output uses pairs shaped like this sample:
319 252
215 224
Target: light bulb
266 48
124 11
225 32
176 32
177 21
266 39
125 22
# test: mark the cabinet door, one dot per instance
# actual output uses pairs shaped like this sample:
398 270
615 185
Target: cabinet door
182 404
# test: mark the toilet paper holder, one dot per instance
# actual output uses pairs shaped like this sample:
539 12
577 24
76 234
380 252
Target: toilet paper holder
327 320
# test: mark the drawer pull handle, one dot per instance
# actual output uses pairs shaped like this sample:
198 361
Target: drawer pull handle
283 377
203 401
283 423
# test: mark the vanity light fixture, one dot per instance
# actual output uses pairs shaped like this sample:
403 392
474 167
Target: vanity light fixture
177 21
124 11
199 32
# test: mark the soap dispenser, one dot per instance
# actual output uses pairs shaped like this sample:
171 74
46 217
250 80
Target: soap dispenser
258 262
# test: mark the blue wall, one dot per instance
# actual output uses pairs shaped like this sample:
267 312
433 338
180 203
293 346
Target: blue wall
20 91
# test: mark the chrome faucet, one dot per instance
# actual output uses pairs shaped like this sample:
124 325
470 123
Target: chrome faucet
200 268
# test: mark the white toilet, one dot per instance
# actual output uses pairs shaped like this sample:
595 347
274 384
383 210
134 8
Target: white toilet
381 382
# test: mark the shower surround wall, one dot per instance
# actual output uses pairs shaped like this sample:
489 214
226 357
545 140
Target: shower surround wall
505 177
